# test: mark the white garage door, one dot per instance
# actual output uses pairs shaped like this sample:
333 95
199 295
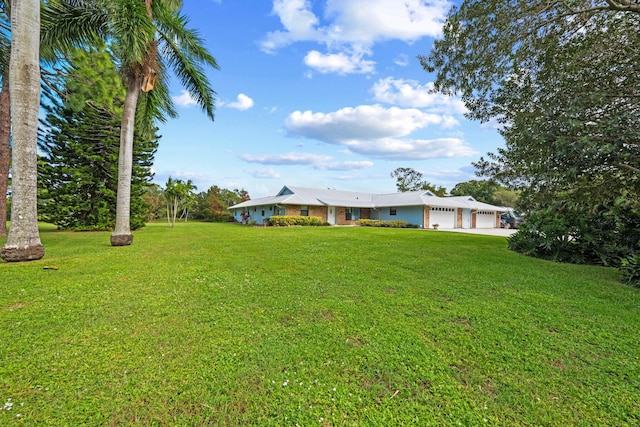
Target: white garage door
444 217
485 219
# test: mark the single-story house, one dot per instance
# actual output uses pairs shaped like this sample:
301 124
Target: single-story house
421 208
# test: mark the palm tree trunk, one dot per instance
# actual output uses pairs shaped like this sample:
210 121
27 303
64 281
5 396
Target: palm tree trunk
122 234
23 241
5 153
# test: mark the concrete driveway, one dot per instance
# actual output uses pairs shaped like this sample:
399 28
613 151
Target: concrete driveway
505 232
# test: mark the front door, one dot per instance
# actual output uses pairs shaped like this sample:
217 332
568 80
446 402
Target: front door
466 218
331 215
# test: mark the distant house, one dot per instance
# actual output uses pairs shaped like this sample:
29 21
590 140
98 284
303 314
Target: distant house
421 208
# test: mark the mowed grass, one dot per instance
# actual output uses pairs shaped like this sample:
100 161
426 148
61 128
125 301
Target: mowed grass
227 325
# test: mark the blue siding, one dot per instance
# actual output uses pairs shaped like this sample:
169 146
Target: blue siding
411 214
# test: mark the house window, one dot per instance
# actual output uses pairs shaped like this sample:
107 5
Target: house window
263 212
304 210
352 214
393 211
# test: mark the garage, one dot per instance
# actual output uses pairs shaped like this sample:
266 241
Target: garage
444 217
485 219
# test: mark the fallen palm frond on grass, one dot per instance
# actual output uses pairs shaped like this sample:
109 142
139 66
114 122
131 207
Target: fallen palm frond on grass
217 324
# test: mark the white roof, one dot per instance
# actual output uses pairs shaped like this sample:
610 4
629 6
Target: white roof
321 197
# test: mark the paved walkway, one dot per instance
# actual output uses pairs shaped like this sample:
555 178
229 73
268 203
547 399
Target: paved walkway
506 232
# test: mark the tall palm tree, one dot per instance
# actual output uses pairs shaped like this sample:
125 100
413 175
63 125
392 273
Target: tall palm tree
5 112
23 242
150 35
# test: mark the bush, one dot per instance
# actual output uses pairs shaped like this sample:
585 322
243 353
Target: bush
289 220
630 269
385 223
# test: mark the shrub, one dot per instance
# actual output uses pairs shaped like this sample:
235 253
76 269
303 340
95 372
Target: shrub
630 269
385 223
289 220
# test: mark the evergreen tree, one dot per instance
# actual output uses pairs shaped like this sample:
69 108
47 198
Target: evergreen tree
78 170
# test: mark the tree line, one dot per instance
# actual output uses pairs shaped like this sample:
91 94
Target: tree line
486 191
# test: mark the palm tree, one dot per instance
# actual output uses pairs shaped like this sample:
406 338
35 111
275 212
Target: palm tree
148 36
23 242
5 112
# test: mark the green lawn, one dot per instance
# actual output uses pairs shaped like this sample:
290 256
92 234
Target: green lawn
210 324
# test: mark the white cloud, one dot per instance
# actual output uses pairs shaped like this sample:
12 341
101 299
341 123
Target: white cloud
317 161
345 166
267 173
369 21
340 63
356 22
402 60
185 99
286 159
243 103
411 149
379 132
410 93
362 122
349 29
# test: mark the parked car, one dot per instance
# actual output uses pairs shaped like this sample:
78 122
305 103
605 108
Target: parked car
511 220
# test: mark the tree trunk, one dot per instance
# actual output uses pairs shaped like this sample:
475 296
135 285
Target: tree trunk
5 153
23 241
122 234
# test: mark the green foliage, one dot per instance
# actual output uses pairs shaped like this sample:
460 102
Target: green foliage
630 269
571 129
80 144
597 235
179 197
290 220
212 205
408 179
396 223
356 326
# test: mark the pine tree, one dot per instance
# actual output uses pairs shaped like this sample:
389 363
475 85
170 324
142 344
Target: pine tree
78 171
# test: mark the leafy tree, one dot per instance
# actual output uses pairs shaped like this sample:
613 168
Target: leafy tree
486 191
481 190
154 199
564 80
23 240
213 204
79 167
409 179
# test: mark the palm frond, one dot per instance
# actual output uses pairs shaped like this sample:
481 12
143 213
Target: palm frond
132 31
67 24
185 53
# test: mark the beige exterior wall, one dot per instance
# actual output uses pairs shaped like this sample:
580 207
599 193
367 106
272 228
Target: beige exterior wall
459 218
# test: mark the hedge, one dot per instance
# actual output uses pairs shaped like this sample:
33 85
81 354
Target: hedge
396 223
288 220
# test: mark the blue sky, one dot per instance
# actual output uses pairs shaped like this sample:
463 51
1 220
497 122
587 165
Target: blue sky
324 94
